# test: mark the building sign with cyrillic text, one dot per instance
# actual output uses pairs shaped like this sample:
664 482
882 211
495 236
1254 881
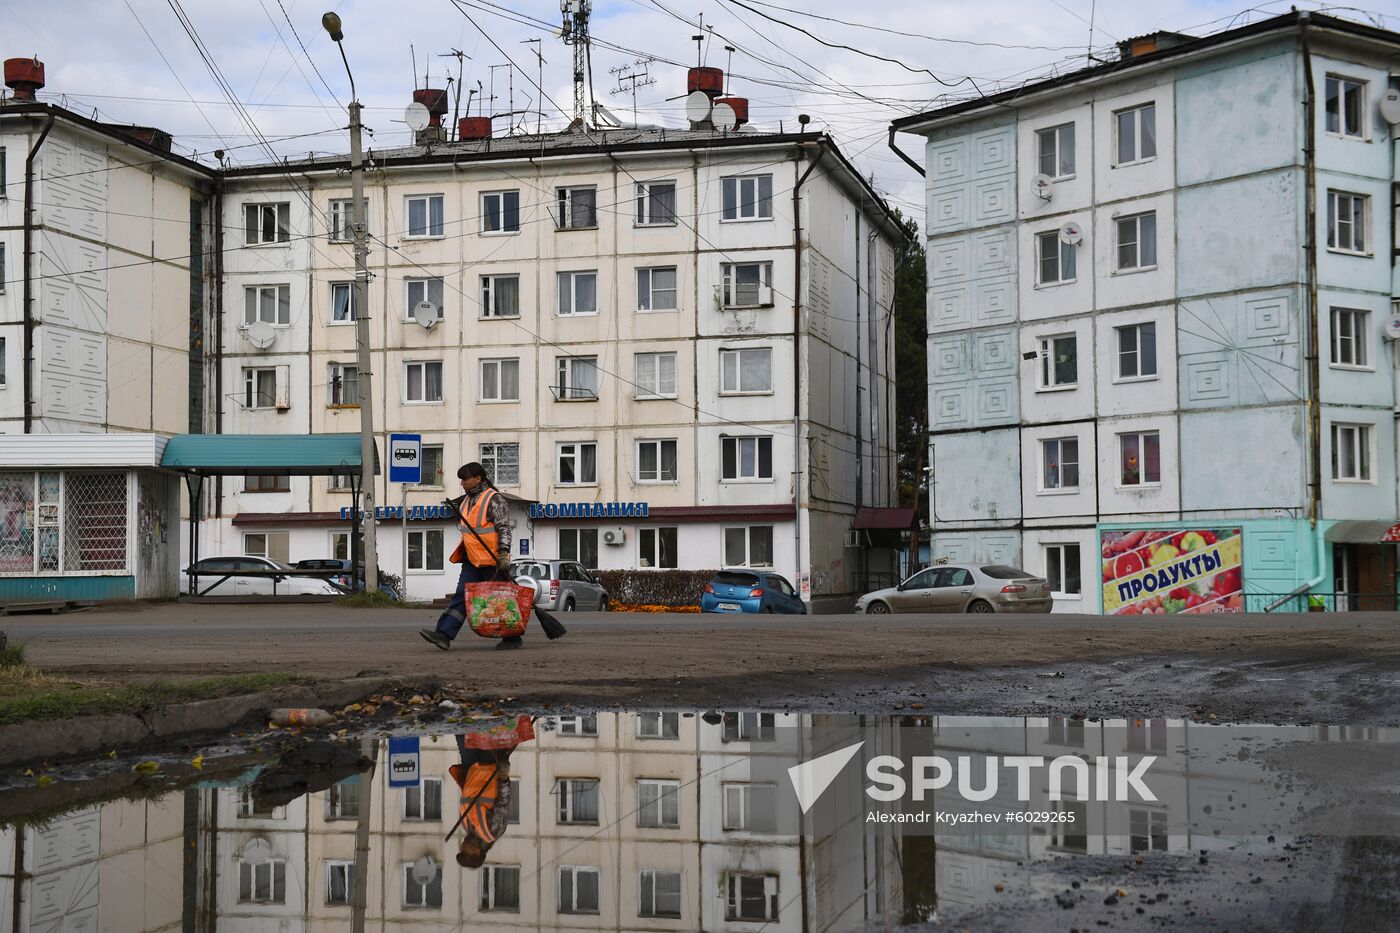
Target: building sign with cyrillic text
590 509
414 513
1164 572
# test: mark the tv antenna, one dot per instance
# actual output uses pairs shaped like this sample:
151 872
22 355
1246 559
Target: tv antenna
630 77
539 61
457 99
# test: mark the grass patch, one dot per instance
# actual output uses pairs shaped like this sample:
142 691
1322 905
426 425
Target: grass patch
10 655
27 693
374 600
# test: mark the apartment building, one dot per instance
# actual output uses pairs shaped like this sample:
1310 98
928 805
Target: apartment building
671 345
1160 302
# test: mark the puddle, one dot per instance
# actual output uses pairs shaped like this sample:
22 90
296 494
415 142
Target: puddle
697 820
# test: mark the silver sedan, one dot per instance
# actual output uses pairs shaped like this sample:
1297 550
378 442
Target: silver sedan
962 588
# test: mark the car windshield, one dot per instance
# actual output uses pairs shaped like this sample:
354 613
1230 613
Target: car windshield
534 571
737 579
280 564
1000 572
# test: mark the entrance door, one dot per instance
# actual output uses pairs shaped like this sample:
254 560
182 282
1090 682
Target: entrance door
1345 582
1376 577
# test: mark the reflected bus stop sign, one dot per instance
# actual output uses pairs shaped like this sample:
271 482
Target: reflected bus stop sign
404 770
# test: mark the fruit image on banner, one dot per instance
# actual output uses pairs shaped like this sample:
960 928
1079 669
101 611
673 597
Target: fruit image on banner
1164 572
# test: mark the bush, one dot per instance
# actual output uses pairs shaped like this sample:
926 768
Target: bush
672 588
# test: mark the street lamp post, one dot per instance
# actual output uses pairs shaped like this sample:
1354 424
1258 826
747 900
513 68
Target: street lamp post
331 22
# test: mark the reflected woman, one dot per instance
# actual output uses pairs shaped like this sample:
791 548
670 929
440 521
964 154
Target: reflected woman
483 782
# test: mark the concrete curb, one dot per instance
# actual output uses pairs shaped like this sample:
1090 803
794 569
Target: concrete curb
42 740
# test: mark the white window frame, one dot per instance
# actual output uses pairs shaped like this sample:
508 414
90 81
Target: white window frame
352 304
423 366
340 214
1136 113
650 551
1050 346
584 544
487 892
659 725
347 871
253 377
1361 439
734 900
652 797
1137 264
580 726
1343 85
647 292
572 873
491 452
425 286
1063 552
1065 258
490 381
424 903
1057 452
567 284
737 355
648 877
564 790
281 296
564 207
1136 354
659 478
272 867
498 212
574 450
642 217
428 201
1055 136
566 389
336 373
281 221
1151 819
425 566
1142 437
339 545
757 203
649 381
738 442
247 807
736 726
748 530
1358 241
336 808
730 284
490 297
428 476
756 803
1354 342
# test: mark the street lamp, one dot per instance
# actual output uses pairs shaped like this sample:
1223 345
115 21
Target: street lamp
331 22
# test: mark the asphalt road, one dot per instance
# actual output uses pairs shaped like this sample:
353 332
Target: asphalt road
1314 667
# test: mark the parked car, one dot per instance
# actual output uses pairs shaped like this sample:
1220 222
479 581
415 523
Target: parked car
210 568
740 589
346 580
563 585
962 588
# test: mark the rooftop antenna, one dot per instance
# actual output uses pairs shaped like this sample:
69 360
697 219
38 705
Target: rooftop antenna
457 99
1089 52
699 41
575 32
539 59
414 56
729 70
493 91
630 78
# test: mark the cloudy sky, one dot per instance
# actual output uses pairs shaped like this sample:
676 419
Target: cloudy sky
133 61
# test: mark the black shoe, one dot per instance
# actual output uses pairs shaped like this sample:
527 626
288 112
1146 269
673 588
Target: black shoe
435 638
514 641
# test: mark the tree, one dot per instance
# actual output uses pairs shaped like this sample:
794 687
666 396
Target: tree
911 362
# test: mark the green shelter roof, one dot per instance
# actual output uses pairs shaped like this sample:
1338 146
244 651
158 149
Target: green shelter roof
265 454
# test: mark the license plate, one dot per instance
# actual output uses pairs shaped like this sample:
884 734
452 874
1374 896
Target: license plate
729 607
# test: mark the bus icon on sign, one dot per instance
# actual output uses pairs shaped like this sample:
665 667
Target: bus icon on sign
405 458
405 453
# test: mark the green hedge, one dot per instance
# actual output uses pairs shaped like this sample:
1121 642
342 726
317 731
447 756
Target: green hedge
655 587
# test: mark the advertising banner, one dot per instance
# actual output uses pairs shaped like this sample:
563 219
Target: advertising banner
1169 571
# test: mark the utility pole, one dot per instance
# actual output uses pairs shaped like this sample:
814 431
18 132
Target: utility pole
331 22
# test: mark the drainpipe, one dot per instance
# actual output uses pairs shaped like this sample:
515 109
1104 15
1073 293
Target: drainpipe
903 155
218 334
28 299
860 433
797 350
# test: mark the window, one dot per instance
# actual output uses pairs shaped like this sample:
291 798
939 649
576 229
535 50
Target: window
344 385
425 550
578 379
264 883
576 208
656 461
578 890
424 215
260 388
580 545
1137 351
1059 361
656 203
750 807
340 545
747 197
500 212
513 817
744 371
585 725
658 725
418 894
340 882
656 288
500 380
578 800
1056 259
747 284
342 219
660 893
1055 148
266 484
266 224
421 290
1062 569
344 304
272 545
423 382
1147 829
1059 457
343 801
656 375
657 547
750 546
1137 241
1351 452
748 727
746 458
250 807
578 293
498 887
431 472
1140 458
1137 133
1349 329
1071 834
1346 104
271 304
1347 220
423 802
502 463
1067 732
751 897
658 804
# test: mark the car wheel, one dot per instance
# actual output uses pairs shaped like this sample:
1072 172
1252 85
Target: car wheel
981 606
878 609
569 605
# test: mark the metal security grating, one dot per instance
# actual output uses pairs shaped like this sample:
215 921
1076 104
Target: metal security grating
95 521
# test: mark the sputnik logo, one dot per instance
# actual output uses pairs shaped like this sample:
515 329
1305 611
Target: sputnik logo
811 778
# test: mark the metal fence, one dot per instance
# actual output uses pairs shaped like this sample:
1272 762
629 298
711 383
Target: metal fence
1321 602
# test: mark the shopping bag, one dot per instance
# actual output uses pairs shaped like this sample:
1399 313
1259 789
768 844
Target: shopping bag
497 608
499 734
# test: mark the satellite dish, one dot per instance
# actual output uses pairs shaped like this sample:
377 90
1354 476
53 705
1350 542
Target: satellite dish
425 870
1071 234
260 334
1390 106
425 315
416 116
697 107
1041 185
723 117
1392 327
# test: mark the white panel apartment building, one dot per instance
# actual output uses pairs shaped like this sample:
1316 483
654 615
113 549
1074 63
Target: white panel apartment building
617 322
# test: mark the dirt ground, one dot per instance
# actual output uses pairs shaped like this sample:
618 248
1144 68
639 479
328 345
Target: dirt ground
1275 668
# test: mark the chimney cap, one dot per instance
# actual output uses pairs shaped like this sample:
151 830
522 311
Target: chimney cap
24 76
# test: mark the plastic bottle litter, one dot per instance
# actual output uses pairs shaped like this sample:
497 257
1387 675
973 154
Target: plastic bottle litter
301 717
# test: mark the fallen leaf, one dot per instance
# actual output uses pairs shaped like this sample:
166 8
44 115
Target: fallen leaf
198 762
146 767
112 753
29 772
45 780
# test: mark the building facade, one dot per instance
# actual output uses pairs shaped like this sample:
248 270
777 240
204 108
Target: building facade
1159 292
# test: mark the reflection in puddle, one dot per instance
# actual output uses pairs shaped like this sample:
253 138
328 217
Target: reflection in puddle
665 821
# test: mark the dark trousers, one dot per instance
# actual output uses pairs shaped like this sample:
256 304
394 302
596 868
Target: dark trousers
455 615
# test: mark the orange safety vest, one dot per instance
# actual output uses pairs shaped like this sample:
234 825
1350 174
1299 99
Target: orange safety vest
478 798
476 517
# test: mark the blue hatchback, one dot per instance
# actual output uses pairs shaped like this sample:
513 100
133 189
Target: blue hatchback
743 590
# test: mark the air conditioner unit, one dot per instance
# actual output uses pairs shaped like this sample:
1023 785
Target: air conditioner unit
615 537
853 539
